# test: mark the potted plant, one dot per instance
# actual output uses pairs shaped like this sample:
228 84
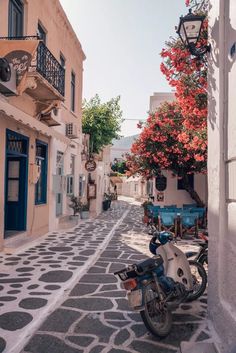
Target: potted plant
106 202
76 205
84 213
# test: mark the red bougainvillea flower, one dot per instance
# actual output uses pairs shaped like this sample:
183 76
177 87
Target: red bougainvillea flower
175 137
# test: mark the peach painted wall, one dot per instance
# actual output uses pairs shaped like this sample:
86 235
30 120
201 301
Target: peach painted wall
60 39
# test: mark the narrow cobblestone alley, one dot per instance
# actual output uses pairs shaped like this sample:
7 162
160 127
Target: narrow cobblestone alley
62 292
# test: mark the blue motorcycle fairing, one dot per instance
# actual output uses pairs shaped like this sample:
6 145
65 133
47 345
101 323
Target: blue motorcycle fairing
168 284
165 237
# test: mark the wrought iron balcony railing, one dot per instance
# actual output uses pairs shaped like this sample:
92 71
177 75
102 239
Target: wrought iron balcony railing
50 69
46 64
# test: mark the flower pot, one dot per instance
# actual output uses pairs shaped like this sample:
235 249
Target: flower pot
105 205
74 219
84 214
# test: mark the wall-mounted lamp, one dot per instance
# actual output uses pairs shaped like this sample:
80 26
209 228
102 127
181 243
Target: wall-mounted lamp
189 30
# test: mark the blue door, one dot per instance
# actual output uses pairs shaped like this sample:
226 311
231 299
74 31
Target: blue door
16 182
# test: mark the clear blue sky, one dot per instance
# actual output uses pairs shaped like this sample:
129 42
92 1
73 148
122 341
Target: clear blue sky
122 40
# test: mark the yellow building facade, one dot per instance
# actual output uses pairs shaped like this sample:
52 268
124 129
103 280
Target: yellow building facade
40 118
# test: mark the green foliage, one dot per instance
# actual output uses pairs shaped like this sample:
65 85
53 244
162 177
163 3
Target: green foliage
102 121
77 205
119 167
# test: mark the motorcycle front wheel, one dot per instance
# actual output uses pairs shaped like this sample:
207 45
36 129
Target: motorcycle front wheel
199 277
158 320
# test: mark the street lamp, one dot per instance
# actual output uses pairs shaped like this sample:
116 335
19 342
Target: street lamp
189 32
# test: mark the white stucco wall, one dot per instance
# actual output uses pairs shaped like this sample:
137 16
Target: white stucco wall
222 173
159 97
179 197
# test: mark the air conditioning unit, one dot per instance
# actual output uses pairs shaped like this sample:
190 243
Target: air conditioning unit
71 131
7 78
50 118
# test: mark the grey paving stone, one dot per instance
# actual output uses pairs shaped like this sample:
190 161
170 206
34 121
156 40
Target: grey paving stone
56 276
203 336
14 280
92 278
179 333
139 330
123 305
117 267
48 344
60 320
145 347
114 315
52 287
118 323
111 254
121 337
135 317
184 318
97 349
14 291
32 303
108 287
97 304
33 286
60 248
14 320
83 341
92 325
87 252
83 289
75 263
97 270
101 264
7 299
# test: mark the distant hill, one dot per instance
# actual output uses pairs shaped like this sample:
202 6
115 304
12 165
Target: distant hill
125 142
122 146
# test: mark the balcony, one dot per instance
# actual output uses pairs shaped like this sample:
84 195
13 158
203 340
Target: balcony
45 76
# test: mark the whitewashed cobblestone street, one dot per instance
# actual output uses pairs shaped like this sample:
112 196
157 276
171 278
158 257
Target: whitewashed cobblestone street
60 295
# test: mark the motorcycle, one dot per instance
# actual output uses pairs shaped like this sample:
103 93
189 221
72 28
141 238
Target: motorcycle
199 276
159 285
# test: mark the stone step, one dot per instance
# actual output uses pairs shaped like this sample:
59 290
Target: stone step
197 347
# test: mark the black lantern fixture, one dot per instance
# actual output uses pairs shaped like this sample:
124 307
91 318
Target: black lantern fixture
189 32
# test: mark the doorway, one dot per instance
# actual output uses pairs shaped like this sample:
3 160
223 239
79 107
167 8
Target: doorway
16 182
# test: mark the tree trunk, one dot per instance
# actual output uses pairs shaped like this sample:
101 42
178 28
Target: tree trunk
194 195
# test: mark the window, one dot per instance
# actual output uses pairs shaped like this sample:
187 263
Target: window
42 33
41 161
70 184
70 177
72 91
15 18
82 184
180 185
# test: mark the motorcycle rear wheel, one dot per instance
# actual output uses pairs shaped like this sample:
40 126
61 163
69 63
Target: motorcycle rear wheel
199 280
157 321
204 261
